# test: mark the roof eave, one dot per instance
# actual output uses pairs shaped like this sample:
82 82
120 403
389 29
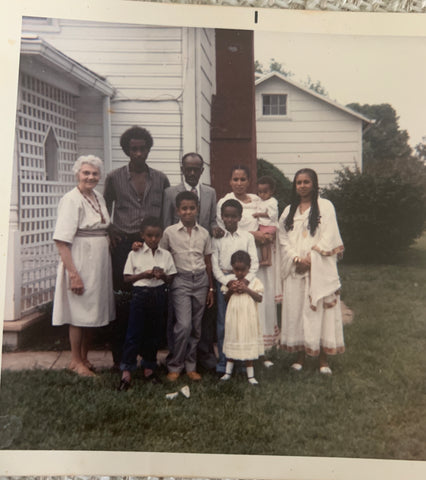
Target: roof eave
314 94
34 45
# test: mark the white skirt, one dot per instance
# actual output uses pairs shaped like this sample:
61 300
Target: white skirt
96 307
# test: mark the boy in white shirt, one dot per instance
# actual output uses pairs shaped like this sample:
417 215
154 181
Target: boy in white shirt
150 269
234 239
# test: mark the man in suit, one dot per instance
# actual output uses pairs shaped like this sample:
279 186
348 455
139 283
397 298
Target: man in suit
192 167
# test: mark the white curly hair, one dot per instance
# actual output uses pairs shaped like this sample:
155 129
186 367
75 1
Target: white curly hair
90 160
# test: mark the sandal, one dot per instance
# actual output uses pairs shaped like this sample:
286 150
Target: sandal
124 385
81 370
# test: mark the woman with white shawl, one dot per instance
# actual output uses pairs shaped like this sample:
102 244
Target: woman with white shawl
310 245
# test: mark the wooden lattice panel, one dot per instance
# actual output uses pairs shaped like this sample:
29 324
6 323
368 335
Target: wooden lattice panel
43 108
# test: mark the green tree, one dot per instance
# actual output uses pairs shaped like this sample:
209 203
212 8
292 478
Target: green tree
384 141
379 216
420 150
258 67
316 86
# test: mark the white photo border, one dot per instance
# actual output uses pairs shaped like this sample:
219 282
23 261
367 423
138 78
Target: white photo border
54 463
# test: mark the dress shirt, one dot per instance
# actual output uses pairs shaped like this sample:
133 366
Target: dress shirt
125 206
224 247
143 259
189 188
188 251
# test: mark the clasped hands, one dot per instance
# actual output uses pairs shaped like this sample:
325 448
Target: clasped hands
303 264
238 286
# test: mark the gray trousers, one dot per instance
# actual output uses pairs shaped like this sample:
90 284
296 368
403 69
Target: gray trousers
189 295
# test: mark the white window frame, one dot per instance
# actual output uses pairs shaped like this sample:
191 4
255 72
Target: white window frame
276 116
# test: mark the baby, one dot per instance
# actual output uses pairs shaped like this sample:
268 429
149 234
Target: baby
267 216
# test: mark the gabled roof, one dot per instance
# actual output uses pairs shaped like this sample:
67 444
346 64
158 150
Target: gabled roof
307 90
34 45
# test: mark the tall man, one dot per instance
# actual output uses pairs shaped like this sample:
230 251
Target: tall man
192 167
131 193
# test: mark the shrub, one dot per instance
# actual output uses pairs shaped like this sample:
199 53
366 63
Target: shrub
379 217
283 184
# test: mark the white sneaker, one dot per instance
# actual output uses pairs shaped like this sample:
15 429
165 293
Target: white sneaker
253 381
268 364
325 370
297 367
225 377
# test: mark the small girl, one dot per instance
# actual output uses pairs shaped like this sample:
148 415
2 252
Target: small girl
243 335
267 216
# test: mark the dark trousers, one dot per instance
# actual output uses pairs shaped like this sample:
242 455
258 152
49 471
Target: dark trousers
144 330
122 291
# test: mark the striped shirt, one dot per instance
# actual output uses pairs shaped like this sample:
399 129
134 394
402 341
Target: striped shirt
125 206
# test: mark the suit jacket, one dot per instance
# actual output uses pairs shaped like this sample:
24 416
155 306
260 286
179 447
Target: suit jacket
207 206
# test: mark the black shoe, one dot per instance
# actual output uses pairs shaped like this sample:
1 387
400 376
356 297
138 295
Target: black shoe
154 379
124 385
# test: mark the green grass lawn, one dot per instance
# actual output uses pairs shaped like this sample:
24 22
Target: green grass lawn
373 406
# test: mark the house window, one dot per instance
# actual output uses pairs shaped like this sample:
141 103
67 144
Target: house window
274 104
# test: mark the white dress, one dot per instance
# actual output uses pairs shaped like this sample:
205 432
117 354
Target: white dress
270 277
243 334
311 312
91 257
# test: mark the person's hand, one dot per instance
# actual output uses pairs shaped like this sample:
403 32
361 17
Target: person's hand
232 285
242 286
217 232
77 285
261 237
158 273
137 246
147 274
114 237
303 265
210 299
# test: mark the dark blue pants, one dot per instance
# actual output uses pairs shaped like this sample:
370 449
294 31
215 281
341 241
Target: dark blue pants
144 330
118 327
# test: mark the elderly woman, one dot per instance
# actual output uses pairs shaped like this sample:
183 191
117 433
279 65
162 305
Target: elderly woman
310 245
84 295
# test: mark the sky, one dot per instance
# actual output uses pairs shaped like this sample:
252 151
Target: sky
357 69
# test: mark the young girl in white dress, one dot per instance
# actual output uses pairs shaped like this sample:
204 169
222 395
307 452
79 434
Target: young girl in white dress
243 335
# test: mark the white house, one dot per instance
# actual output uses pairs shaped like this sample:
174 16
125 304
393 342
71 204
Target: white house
296 127
81 84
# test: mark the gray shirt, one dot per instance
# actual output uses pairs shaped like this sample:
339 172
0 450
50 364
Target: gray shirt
125 206
188 251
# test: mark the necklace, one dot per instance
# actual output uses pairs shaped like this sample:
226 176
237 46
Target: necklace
97 207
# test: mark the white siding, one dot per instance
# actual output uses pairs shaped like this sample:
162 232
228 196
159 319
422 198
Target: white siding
207 75
145 66
200 77
314 134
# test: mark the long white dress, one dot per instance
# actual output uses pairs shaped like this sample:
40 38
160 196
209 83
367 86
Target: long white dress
269 276
91 257
243 334
311 312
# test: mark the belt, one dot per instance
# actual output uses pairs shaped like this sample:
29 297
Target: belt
86 232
